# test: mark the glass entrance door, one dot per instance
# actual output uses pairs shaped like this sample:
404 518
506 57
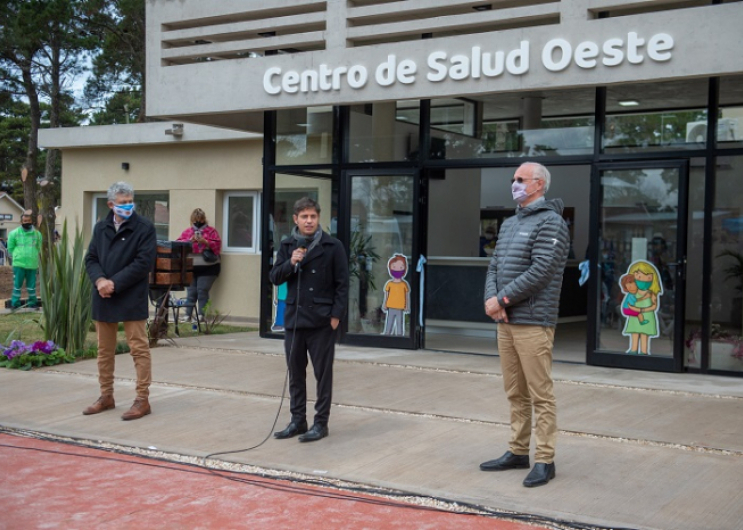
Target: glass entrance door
383 253
640 226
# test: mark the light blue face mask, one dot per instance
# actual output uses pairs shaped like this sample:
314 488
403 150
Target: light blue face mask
643 286
124 210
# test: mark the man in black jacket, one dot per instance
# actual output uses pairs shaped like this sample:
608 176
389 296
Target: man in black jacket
522 294
120 257
315 268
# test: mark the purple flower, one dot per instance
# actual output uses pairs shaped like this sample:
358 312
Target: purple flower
16 348
44 347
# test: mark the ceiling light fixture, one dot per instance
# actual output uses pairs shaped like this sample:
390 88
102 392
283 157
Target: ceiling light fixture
628 103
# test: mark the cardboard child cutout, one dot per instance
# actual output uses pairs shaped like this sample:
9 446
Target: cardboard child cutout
279 306
643 288
396 296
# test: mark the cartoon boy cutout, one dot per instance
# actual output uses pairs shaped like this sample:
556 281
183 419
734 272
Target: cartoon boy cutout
630 300
396 296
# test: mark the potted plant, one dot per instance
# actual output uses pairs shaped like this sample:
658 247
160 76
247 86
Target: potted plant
735 272
360 261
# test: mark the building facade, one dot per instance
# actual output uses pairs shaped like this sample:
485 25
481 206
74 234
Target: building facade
203 167
407 118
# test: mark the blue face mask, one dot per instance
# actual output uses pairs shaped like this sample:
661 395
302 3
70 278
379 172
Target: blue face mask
124 210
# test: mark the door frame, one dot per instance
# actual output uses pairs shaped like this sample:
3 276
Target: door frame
597 357
412 340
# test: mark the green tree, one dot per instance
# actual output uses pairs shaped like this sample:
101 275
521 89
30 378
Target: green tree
116 84
41 46
15 126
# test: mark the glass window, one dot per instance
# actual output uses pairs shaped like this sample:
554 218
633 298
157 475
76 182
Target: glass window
656 116
730 118
381 245
304 136
694 261
240 221
639 211
726 344
154 206
505 125
384 132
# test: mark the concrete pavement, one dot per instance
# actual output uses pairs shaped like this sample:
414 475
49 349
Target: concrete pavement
636 449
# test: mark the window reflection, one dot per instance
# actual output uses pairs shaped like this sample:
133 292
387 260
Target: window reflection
726 335
656 116
730 118
384 132
304 136
555 123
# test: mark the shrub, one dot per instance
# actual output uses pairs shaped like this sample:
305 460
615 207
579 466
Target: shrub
66 293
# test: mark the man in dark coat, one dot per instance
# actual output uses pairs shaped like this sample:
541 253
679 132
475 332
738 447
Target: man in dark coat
314 266
522 294
120 257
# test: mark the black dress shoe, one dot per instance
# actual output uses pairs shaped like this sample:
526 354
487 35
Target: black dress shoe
293 429
507 461
317 432
540 475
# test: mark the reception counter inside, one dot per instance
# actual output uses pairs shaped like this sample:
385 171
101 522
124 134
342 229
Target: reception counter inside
455 289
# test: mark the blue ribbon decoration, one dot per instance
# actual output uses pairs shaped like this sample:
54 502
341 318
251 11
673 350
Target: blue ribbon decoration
422 271
585 272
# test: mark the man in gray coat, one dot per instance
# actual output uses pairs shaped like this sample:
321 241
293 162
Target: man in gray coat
522 294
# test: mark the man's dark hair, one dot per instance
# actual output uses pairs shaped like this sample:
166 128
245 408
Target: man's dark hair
305 203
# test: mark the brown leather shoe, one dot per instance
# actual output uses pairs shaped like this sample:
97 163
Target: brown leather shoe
103 403
140 407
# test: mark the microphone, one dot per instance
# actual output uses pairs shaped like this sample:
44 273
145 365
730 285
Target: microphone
301 244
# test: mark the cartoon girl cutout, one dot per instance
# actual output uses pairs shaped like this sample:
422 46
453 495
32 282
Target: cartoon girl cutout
643 326
396 296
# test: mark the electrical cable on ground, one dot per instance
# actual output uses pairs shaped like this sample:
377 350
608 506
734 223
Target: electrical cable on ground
300 486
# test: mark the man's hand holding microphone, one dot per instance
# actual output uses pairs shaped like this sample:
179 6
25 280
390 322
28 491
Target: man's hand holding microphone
299 253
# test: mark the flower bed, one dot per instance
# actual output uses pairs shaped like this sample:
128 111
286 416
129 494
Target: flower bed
24 356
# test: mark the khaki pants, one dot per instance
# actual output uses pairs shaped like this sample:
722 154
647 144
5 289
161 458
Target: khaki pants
136 337
526 362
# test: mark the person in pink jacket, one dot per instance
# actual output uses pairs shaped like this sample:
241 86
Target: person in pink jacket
207 247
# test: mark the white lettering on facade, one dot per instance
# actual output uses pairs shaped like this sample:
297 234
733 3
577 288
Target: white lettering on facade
268 85
558 54
489 64
613 54
660 46
548 55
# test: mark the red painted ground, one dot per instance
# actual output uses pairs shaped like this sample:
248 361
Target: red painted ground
89 488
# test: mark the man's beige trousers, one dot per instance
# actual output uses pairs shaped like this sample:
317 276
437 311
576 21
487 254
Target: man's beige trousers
136 337
526 362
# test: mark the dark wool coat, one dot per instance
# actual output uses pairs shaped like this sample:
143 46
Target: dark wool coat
526 270
126 257
320 290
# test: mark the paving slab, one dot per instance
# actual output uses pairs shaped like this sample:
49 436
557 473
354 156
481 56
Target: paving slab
628 456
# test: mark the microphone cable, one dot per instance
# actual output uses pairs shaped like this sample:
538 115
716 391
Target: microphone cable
283 390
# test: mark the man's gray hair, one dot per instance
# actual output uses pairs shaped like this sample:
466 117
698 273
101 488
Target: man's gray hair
538 171
120 188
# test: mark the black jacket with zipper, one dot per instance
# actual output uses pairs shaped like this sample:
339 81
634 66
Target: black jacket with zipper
318 290
528 263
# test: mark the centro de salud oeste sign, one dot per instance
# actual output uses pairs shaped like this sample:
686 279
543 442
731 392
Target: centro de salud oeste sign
556 55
